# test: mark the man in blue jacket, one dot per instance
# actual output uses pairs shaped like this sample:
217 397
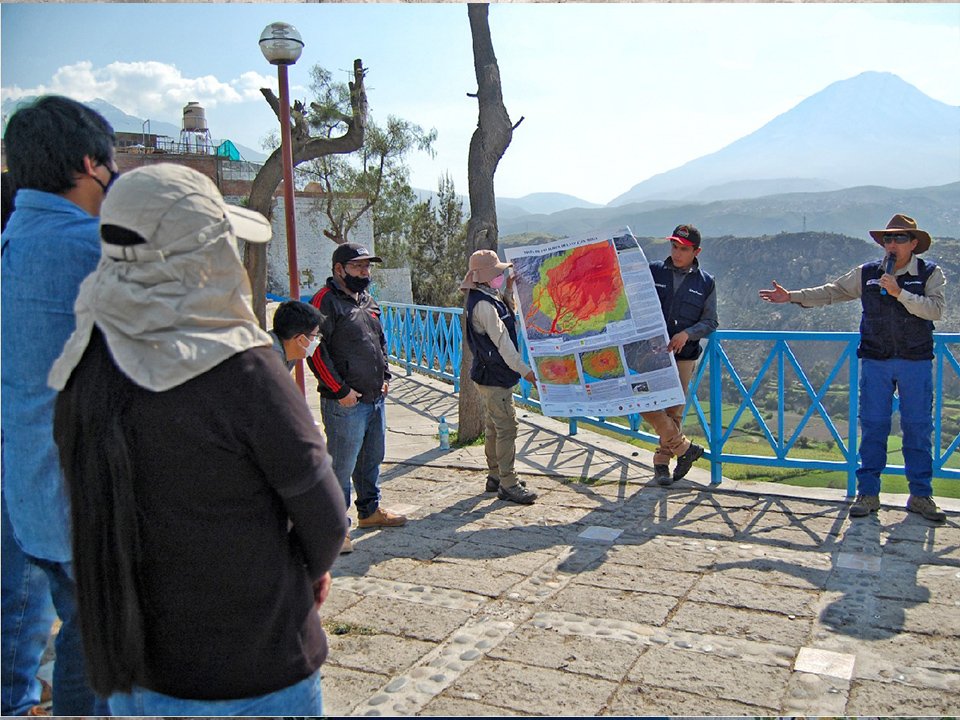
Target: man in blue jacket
688 298
60 157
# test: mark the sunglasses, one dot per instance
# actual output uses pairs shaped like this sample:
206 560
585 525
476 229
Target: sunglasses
898 238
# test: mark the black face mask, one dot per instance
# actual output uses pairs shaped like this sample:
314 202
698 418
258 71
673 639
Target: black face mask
356 284
113 176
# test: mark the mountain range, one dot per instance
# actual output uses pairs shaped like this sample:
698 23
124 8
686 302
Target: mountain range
871 130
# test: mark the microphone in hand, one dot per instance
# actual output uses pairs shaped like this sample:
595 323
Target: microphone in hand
887 269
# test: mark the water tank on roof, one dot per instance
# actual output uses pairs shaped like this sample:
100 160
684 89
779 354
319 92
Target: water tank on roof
194 117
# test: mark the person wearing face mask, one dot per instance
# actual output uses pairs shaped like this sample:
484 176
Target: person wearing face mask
295 331
60 155
497 366
901 296
350 365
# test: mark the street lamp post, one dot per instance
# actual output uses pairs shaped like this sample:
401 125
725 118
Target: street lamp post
281 45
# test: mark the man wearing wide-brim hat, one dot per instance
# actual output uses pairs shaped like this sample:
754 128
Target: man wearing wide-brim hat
901 296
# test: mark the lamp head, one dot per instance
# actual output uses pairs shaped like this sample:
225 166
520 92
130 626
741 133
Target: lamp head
281 44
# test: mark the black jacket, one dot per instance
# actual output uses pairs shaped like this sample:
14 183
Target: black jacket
353 349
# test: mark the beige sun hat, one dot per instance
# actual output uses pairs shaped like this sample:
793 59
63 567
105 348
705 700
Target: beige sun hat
483 267
170 294
904 224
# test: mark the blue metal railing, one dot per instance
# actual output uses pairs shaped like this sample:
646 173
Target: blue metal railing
429 340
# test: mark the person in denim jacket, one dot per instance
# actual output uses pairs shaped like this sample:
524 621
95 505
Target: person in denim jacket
60 157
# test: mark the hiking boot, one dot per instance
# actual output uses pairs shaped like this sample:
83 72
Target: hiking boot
518 494
661 473
493 484
382 518
686 461
926 507
347 546
864 505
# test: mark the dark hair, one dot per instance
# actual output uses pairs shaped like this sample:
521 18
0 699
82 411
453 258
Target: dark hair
9 191
97 465
294 318
47 140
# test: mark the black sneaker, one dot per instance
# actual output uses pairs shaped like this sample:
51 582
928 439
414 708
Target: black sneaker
518 494
493 484
661 473
686 461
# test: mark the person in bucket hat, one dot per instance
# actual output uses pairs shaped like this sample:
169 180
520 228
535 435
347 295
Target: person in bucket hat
902 295
205 511
497 366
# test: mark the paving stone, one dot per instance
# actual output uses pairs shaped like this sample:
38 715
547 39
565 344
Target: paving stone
517 560
634 699
742 623
594 656
706 675
721 589
600 602
791 537
399 617
666 553
488 579
338 600
396 542
444 706
344 688
816 695
772 570
532 690
883 699
380 654
638 578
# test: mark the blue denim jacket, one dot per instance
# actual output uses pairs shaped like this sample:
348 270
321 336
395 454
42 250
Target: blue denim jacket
49 246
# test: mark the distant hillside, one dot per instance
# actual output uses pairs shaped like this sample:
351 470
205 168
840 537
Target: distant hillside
744 265
509 208
852 211
874 128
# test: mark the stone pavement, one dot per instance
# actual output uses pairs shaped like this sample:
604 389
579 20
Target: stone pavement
614 596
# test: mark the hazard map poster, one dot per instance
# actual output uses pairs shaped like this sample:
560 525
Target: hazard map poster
594 329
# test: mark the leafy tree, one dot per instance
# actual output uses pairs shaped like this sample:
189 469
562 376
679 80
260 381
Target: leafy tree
436 248
376 175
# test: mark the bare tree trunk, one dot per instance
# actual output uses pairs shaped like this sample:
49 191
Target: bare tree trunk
488 144
304 148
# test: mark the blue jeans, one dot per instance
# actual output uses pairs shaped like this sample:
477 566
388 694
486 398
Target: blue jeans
303 698
356 440
71 693
913 380
26 621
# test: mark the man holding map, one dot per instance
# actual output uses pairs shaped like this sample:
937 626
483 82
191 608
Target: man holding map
688 299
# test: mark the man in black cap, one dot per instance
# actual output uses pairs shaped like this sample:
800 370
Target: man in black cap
688 299
351 368
901 296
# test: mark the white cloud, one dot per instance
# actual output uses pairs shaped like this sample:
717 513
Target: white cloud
146 88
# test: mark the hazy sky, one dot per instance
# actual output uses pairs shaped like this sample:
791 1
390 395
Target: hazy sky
611 93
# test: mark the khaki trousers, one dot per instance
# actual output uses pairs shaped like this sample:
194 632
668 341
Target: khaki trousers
500 433
666 423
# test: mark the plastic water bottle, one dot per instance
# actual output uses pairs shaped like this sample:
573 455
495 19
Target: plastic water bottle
444 431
